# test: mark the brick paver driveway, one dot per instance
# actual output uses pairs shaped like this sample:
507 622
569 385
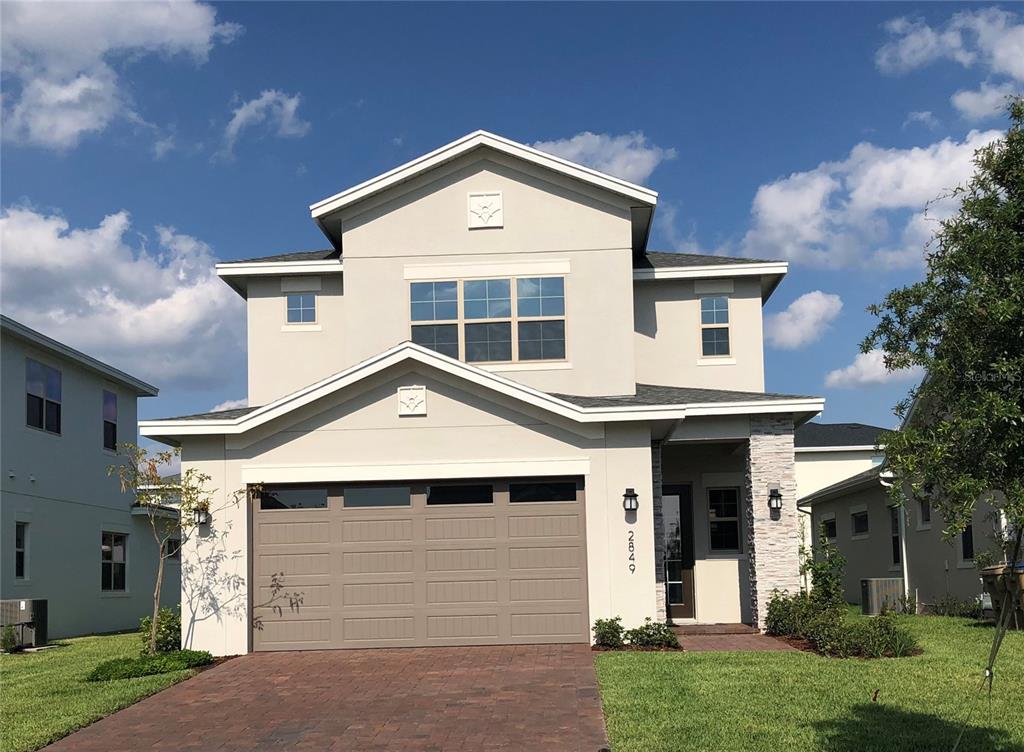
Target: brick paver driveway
537 697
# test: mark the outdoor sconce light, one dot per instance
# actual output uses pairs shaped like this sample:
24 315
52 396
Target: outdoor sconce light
201 517
629 500
774 499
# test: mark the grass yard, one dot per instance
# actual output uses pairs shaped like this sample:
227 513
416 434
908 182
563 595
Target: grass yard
791 702
44 696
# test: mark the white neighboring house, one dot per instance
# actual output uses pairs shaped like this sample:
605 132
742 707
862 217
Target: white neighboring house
488 414
69 535
827 453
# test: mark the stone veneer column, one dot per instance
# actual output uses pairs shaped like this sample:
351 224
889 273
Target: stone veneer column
659 538
773 545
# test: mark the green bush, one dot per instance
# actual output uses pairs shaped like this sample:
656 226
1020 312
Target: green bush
652 634
9 640
788 614
168 631
825 565
950 605
161 663
608 633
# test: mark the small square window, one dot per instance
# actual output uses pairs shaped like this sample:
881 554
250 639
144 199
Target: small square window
302 308
829 527
714 341
859 523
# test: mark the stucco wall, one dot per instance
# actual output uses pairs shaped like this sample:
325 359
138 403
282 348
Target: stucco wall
666 315
60 487
358 431
817 470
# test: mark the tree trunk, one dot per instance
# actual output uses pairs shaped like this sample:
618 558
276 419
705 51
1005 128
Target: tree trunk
156 603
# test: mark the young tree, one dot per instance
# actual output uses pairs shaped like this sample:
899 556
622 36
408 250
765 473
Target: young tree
170 507
964 325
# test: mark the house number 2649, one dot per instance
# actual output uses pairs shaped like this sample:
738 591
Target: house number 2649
631 549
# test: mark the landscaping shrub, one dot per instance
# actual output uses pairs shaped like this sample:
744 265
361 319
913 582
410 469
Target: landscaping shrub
161 663
950 605
825 565
608 633
9 640
652 634
788 614
168 631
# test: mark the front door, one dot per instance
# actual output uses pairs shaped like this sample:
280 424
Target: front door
677 515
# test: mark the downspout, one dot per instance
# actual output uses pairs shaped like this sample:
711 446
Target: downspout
886 479
804 543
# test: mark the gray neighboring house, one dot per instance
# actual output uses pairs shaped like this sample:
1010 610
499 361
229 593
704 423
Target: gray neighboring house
68 533
882 540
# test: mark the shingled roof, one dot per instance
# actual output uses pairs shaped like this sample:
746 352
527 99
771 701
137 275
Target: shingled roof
812 435
650 394
663 260
322 255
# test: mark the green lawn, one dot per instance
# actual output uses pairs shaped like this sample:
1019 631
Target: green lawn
782 702
44 696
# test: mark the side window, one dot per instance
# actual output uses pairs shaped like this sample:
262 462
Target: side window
172 549
109 420
43 396
967 544
430 303
724 519
859 523
20 550
714 326
301 307
540 309
829 525
894 532
113 561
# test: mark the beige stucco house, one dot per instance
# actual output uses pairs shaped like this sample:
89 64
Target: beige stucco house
827 453
488 414
70 536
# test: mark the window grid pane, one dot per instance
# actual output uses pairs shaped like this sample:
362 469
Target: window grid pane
540 296
487 299
43 395
434 301
715 341
302 308
488 342
541 340
714 310
442 338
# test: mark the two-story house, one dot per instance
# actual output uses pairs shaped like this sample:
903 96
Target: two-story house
70 536
487 414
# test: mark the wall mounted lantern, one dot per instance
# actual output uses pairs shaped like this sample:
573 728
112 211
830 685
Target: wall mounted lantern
629 500
774 499
201 516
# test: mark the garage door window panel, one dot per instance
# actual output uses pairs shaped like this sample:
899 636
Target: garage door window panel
527 491
475 493
363 497
280 498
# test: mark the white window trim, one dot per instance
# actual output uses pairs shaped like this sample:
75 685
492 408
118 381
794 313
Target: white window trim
302 328
701 326
115 530
720 360
857 510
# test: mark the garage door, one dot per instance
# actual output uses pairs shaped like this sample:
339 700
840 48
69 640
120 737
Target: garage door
478 562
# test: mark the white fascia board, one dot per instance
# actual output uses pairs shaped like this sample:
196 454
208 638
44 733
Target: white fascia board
495 382
465 144
859 448
279 268
39 339
712 270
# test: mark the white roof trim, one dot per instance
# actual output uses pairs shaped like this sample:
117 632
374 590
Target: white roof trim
39 339
409 351
465 144
279 268
712 270
858 448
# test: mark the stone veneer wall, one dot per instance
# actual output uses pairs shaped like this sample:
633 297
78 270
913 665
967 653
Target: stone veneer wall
772 544
659 536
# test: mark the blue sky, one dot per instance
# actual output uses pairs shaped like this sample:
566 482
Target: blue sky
144 141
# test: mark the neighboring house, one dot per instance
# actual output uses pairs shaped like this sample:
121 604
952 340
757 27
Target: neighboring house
69 535
487 414
879 539
826 453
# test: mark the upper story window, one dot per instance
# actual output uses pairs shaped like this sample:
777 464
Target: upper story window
109 420
859 523
714 326
491 320
43 396
301 308
828 526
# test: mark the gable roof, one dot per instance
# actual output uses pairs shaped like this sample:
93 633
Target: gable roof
673 260
866 479
659 265
652 406
651 394
812 436
140 387
321 255
642 199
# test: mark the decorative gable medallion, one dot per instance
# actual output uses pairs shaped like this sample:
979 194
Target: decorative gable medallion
412 400
485 210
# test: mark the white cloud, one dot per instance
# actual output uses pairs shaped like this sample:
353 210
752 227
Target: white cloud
164 146
273 108
156 310
666 223
987 101
989 37
804 321
925 118
231 404
867 210
61 55
868 369
629 156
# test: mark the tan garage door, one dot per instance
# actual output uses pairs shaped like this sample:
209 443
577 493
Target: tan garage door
469 563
